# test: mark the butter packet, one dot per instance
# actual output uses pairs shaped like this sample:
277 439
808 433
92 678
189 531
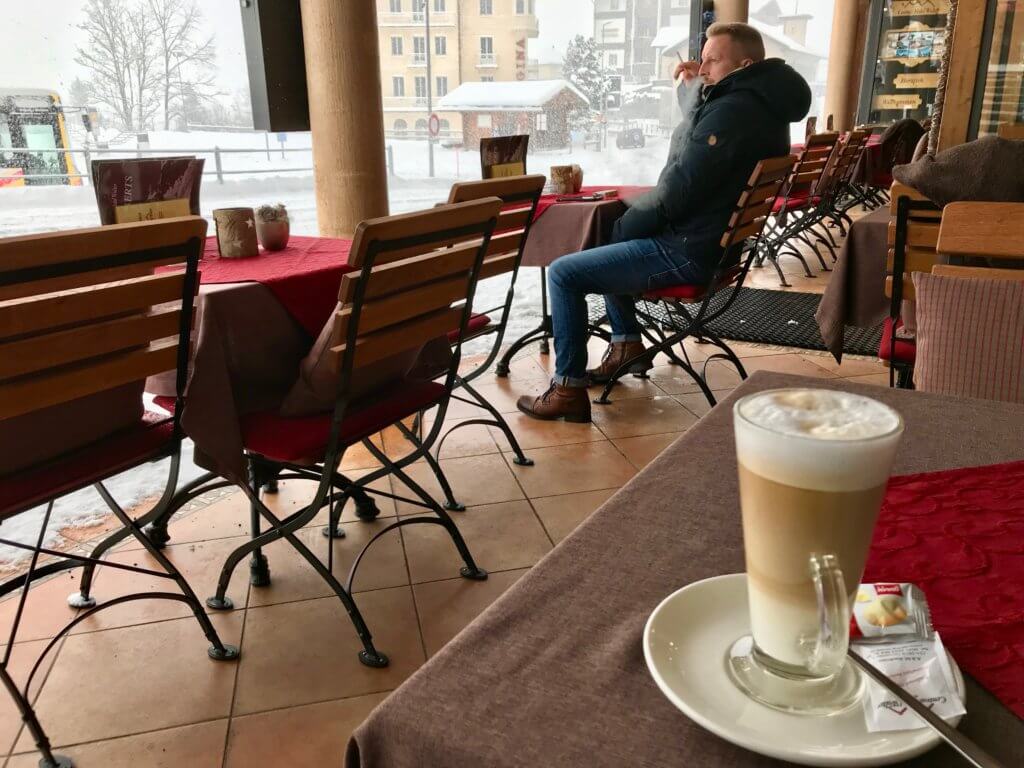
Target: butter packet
919 666
886 612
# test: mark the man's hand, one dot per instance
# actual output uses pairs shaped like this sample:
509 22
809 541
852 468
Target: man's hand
687 70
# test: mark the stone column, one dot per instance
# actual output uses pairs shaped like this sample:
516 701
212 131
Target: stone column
345 113
844 61
731 10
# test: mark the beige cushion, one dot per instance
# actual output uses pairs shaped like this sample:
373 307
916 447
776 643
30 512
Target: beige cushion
35 437
316 389
970 337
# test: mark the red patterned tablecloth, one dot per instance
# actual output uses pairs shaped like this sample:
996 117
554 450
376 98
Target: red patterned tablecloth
959 535
304 277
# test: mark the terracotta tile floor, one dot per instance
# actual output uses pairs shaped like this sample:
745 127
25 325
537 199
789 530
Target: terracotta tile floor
134 686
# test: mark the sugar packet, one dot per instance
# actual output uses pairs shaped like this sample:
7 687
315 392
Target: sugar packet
922 668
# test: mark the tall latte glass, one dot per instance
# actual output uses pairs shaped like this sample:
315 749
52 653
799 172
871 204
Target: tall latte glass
813 464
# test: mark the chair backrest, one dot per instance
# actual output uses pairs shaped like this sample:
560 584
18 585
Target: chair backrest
811 163
503 156
845 155
82 313
756 200
912 236
988 230
810 126
138 189
414 282
519 196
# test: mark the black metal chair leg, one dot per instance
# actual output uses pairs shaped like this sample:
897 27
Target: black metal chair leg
28 717
520 458
446 488
259 567
218 650
470 570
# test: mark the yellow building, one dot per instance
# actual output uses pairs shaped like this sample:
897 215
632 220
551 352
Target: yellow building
469 41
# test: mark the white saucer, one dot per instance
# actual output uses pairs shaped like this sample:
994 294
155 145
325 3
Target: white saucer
685 645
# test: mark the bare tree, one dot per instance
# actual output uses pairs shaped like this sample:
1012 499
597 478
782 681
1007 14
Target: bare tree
186 56
120 52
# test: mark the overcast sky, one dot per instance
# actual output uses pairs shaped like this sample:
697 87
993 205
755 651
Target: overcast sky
40 38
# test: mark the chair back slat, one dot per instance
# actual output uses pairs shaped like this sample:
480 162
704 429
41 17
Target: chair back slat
404 275
393 306
60 346
989 230
919 234
27 355
519 196
756 201
42 390
811 162
32 314
983 273
54 261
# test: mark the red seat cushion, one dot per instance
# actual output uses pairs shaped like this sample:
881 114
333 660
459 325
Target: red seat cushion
794 202
476 324
167 402
304 438
96 461
905 351
691 293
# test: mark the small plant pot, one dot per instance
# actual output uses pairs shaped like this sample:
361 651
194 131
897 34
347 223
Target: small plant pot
273 235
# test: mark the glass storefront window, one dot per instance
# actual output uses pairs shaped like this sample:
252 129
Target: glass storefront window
905 44
999 102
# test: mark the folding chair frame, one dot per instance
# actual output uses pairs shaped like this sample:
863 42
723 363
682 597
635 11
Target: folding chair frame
171 450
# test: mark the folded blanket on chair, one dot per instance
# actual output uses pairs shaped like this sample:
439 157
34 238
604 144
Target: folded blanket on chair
987 170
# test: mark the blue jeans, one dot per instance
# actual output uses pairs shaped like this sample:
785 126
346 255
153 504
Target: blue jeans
620 271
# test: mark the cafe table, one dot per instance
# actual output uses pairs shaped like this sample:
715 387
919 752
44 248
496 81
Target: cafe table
256 318
553 672
561 227
855 294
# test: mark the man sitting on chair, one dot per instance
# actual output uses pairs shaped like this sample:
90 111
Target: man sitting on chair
671 235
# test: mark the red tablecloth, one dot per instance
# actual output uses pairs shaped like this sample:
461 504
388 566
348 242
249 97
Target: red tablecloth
959 535
304 277
546 201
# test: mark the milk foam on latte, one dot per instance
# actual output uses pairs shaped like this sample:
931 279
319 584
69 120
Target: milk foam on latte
813 465
802 437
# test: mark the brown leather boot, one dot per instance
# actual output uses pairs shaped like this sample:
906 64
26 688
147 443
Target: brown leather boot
559 402
617 353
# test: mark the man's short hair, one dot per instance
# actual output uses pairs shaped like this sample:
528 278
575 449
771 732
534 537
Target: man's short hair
747 39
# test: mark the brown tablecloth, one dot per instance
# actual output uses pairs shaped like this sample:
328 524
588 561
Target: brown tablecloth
855 294
247 350
570 227
553 674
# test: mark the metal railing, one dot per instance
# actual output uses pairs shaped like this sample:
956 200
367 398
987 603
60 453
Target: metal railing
488 60
217 152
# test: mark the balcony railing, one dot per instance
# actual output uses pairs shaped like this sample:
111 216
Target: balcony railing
416 19
488 60
419 60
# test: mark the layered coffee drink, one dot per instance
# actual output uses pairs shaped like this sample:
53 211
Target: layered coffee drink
813 465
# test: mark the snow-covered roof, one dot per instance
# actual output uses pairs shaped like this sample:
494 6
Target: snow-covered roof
674 39
507 96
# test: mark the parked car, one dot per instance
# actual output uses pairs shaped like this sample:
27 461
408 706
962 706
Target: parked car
630 138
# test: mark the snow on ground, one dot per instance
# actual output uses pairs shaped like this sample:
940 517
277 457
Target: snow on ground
40 208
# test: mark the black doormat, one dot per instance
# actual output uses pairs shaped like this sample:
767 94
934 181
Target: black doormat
784 318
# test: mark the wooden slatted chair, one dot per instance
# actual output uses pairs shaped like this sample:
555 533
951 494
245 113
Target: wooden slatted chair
83 322
689 309
970 319
414 281
912 236
795 207
519 196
